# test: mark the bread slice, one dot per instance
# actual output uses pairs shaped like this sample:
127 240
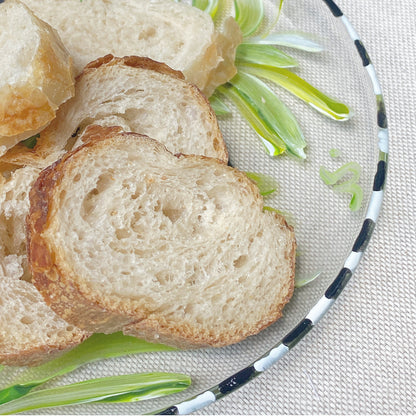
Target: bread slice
30 332
172 32
138 94
36 74
123 235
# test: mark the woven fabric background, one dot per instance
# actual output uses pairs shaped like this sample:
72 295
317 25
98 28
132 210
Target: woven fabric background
361 357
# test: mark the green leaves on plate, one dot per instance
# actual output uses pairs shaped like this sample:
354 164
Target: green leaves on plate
219 107
272 143
115 389
208 6
264 55
350 173
296 40
97 347
31 142
266 184
302 89
272 113
249 15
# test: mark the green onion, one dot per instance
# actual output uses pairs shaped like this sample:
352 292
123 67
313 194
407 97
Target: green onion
299 87
266 184
299 282
296 40
115 389
331 178
266 55
271 141
272 111
31 141
350 186
97 347
218 105
208 6
249 15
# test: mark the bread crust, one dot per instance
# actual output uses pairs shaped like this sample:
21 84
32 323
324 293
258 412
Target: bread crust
89 310
48 277
48 149
29 105
35 355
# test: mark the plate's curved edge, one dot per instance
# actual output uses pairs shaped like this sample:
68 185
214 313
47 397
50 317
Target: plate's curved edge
242 377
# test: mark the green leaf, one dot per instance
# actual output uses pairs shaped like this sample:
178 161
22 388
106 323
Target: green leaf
249 15
31 141
272 111
208 6
352 172
303 281
331 178
272 143
299 87
296 40
115 389
97 347
266 55
266 184
219 106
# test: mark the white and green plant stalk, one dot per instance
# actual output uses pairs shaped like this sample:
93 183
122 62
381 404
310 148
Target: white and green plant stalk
116 389
97 347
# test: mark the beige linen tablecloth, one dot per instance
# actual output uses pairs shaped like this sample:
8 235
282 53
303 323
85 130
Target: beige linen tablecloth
360 359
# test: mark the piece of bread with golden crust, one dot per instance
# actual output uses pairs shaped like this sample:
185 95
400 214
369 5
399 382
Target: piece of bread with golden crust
175 33
36 74
30 332
124 235
138 94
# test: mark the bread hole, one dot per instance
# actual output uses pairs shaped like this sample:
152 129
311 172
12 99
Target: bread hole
147 33
162 277
136 194
172 213
104 181
241 261
122 233
88 204
26 320
259 234
70 328
77 177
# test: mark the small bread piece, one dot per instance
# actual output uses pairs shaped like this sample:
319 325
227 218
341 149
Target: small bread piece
36 74
124 235
138 94
172 32
30 332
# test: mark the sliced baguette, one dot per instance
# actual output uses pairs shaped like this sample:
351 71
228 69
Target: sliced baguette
30 332
36 74
138 94
123 235
172 32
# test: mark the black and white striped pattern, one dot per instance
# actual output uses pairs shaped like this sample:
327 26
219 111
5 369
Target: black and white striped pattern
321 307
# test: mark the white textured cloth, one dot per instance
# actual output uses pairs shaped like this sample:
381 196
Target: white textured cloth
361 358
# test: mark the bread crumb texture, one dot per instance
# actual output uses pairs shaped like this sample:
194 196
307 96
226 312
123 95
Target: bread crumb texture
175 33
36 74
175 249
30 332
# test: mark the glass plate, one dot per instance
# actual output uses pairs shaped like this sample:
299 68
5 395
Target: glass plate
331 238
